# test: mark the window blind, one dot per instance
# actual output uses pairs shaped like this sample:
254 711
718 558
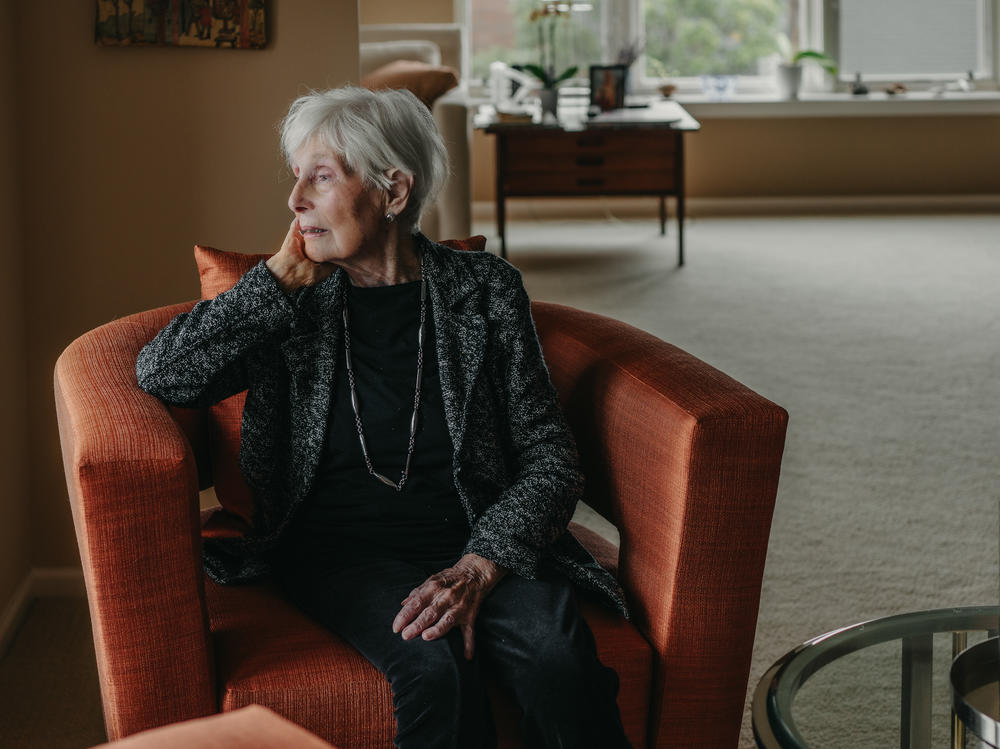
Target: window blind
910 37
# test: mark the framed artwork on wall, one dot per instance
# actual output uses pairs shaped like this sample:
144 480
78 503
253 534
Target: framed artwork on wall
234 24
607 86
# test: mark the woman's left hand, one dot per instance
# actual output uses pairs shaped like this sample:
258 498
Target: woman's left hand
451 598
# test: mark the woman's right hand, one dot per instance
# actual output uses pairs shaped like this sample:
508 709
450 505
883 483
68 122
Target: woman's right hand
290 266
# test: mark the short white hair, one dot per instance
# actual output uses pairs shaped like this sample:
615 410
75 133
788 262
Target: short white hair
373 132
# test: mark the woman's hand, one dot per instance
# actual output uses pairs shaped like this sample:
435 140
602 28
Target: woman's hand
451 598
290 265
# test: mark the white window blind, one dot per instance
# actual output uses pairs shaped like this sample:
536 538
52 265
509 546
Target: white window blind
908 38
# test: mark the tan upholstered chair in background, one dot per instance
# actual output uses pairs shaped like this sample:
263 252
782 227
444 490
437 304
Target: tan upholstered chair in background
436 44
681 458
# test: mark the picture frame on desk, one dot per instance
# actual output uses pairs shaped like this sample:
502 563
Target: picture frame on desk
607 86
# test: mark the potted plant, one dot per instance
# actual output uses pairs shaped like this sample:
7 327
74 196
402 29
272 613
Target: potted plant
790 71
546 17
627 56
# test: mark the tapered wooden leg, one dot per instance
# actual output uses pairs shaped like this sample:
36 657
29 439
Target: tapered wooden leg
679 186
501 165
502 225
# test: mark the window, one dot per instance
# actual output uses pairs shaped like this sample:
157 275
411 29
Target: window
680 39
686 39
911 41
503 30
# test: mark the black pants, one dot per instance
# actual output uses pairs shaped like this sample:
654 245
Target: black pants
529 636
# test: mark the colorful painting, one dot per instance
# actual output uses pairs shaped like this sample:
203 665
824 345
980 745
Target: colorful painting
236 24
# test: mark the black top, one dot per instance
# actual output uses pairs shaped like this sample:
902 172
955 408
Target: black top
350 514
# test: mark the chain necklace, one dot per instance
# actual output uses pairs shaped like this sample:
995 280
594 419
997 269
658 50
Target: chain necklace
416 395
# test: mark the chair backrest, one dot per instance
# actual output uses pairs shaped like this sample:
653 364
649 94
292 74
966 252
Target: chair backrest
373 55
448 38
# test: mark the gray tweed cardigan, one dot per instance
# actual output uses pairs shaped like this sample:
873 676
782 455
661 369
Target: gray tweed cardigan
515 461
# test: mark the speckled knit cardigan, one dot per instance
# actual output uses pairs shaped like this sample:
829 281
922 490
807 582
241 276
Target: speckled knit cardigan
515 461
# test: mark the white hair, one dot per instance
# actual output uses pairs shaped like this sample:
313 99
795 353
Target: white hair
373 132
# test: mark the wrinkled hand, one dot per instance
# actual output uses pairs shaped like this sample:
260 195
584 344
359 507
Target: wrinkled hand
449 599
291 266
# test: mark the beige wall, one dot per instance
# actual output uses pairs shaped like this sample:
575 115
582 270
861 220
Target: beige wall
13 382
835 156
407 11
132 156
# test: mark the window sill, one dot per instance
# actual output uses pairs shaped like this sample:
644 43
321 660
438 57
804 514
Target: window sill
878 104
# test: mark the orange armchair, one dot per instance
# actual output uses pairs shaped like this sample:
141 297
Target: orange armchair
681 458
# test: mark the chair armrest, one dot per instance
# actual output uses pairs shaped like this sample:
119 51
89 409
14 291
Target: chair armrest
133 488
685 461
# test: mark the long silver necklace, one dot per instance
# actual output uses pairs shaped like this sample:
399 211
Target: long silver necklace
416 395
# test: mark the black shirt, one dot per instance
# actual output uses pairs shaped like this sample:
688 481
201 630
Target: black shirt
350 514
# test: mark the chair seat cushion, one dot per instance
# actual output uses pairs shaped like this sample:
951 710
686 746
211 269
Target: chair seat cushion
271 654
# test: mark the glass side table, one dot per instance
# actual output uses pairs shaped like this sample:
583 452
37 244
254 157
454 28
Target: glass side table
975 690
880 683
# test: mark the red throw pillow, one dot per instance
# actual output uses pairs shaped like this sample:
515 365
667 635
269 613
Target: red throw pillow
219 271
426 81
475 243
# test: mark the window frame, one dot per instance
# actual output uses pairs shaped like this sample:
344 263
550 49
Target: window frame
818 29
686 85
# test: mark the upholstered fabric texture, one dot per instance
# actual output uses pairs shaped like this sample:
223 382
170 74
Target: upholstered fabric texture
133 482
684 461
426 82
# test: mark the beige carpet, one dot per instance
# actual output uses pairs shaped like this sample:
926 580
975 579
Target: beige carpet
880 335
49 695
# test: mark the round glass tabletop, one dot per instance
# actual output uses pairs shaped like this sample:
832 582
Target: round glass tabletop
879 683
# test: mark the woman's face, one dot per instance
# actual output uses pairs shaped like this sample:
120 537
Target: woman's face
340 219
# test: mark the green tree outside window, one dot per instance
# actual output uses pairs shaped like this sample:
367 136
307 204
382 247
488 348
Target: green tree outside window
681 37
711 37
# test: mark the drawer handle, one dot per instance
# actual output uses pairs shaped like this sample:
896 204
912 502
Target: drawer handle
590 182
590 141
590 160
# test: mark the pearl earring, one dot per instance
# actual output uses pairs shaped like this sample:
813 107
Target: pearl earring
390 217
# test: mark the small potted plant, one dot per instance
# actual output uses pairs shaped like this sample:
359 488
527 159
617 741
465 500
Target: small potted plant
790 71
546 17
627 56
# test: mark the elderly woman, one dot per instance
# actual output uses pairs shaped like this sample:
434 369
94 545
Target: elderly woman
412 472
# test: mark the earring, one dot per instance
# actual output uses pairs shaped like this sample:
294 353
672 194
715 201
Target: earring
390 217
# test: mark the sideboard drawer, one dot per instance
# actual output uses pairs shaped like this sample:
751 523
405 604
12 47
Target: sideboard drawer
590 162
608 143
588 182
632 161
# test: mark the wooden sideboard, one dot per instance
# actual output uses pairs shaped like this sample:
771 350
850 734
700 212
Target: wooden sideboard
621 158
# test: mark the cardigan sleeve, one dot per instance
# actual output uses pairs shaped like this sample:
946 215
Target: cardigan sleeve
208 354
534 510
